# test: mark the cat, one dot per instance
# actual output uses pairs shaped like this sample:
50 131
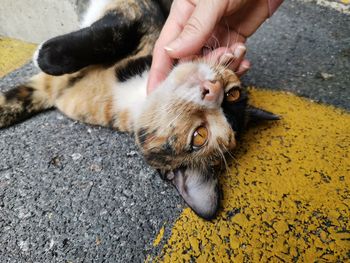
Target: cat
185 129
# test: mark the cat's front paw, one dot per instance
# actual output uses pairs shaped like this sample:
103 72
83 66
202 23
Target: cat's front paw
56 57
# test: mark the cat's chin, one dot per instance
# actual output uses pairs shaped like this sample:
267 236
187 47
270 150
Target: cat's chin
198 188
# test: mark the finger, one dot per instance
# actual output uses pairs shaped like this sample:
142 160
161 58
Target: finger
162 63
197 29
243 68
250 17
217 56
180 12
158 72
224 37
227 57
238 50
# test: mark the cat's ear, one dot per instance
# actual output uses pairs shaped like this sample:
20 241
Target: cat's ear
257 115
200 190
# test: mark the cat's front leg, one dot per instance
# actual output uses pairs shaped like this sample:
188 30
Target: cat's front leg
106 41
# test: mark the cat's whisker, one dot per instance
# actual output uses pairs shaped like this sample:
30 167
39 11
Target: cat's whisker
228 33
180 110
222 65
231 155
229 152
223 158
172 121
219 63
211 57
165 108
175 118
217 42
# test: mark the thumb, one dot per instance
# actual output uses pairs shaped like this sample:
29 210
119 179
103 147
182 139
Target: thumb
197 29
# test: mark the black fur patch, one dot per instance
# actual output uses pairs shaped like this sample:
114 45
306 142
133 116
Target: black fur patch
106 41
235 112
165 6
167 149
142 136
133 68
18 106
158 158
21 94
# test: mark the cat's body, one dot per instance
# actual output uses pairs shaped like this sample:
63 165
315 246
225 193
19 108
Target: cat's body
184 128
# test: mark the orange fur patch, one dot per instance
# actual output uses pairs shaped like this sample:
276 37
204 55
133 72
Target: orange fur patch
124 121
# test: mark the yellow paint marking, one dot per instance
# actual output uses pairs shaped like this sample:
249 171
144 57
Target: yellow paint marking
159 237
340 5
287 196
148 259
14 54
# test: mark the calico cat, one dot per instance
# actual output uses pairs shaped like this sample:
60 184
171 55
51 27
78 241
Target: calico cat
98 75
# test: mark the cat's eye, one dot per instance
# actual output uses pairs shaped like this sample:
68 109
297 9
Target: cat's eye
199 137
233 94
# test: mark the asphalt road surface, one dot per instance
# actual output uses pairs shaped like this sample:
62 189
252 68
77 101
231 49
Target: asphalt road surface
71 192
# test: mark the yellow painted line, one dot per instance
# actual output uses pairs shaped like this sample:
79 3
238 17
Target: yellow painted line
159 237
342 6
287 196
14 54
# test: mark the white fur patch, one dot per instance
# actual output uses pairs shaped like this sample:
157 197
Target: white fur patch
94 12
36 55
198 192
191 89
206 71
131 94
219 128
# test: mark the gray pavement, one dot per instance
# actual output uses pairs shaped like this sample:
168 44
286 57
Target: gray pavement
71 192
302 42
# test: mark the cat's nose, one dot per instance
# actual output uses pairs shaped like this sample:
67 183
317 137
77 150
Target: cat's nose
212 91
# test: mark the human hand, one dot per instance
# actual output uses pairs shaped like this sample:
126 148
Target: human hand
227 23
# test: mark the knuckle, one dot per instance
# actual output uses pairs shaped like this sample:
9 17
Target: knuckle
193 26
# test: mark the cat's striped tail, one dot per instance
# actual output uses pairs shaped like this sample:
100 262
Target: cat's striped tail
25 100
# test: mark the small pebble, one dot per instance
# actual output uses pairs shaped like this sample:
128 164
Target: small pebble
95 168
325 75
131 154
76 156
23 245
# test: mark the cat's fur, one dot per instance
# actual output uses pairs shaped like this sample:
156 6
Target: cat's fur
98 75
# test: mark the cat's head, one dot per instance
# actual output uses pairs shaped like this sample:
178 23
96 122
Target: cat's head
188 125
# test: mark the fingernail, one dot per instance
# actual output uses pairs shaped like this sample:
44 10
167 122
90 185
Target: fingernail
239 51
173 45
243 69
168 48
